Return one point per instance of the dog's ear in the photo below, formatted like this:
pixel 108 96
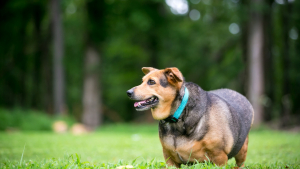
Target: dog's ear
pixel 173 75
pixel 146 70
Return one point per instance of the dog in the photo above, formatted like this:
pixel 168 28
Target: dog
pixel 194 125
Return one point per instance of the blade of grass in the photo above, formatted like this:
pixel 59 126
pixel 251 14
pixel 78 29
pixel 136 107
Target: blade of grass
pixel 22 155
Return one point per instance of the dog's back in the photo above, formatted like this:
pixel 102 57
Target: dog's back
pixel 242 116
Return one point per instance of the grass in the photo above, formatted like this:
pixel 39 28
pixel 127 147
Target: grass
pixel 136 145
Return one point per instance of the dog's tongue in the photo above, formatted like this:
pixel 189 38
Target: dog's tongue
pixel 136 104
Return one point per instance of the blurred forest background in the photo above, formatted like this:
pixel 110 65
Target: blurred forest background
pixel 78 58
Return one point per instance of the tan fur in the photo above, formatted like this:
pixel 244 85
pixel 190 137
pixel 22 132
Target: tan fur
pixel 170 161
pixel 146 70
pixel 219 128
pixel 174 77
pixel 193 151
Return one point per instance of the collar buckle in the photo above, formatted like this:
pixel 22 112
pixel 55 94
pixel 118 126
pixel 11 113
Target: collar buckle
pixel 173 119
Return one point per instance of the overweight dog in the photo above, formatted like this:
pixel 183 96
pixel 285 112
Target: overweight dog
pixel 194 124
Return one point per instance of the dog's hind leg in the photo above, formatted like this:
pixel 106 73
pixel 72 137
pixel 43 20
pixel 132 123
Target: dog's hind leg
pixel 240 158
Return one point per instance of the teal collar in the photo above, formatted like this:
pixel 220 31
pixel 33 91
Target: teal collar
pixel 182 105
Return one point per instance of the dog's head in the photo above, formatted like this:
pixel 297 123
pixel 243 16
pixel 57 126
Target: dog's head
pixel 157 91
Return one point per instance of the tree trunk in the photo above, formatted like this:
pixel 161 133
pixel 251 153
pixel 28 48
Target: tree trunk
pixel 244 43
pixel 58 52
pixel 268 63
pixel 255 54
pixel 285 101
pixel 92 114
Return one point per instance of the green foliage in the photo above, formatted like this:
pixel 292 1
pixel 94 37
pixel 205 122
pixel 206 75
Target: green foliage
pixel 129 35
pixel 146 33
pixel 30 120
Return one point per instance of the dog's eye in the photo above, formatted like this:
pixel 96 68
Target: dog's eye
pixel 151 82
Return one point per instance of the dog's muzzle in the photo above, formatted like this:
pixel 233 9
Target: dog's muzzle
pixel 142 104
pixel 130 92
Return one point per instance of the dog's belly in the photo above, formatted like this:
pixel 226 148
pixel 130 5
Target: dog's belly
pixel 184 150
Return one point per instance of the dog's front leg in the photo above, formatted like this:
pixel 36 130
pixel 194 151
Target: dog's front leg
pixel 220 158
pixel 169 160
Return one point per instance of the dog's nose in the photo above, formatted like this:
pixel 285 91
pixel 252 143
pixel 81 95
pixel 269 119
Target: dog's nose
pixel 129 92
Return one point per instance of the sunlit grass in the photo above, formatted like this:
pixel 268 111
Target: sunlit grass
pixel 136 145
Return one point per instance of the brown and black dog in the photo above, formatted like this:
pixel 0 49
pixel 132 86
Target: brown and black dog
pixel 213 125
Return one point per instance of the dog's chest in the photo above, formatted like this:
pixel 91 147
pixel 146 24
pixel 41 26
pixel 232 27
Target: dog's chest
pixel 180 146
pixel 176 143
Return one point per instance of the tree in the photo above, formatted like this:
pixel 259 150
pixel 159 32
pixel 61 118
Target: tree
pixel 255 55
pixel 92 116
pixel 286 102
pixel 58 52
pixel 92 109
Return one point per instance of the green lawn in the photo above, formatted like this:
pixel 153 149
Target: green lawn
pixel 111 144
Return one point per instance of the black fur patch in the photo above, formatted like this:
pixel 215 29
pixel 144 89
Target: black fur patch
pixel 162 129
pixel 163 82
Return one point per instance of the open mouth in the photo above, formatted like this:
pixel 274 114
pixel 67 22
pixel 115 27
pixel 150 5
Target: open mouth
pixel 146 104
